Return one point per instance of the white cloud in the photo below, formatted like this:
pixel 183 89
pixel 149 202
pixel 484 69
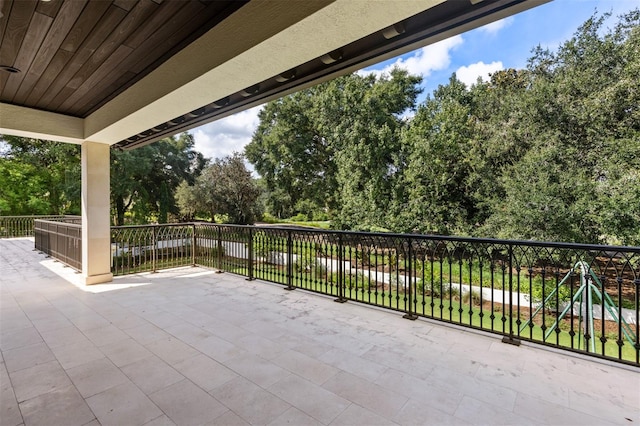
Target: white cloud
pixel 496 26
pixel 423 61
pixel 469 74
pixel 223 137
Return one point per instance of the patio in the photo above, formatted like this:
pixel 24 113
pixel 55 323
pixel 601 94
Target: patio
pixel 189 346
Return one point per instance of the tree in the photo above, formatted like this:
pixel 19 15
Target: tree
pixel 577 181
pixel 334 146
pixel 146 178
pixel 39 177
pixel 225 187
pixel 435 197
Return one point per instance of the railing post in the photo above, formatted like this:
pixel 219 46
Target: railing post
pixel 510 339
pixel 289 261
pixel 193 244
pixel 219 250
pixel 250 256
pixel 408 287
pixel 341 298
pixel 154 254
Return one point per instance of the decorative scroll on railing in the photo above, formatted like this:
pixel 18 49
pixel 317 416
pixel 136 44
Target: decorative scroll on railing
pixel 148 248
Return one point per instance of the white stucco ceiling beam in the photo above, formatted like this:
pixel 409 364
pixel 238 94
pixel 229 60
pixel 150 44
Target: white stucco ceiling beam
pixel 260 40
pixel 36 124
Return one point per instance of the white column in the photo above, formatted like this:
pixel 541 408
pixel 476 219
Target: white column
pixel 96 227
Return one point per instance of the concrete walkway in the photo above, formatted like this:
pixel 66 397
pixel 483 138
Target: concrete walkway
pixel 191 347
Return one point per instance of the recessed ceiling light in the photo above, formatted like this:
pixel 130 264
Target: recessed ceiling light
pixel 9 68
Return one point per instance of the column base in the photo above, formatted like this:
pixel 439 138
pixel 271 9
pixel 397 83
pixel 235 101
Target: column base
pixel 98 279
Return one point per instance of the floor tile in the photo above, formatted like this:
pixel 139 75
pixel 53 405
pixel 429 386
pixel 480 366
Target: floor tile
pixel 187 404
pixel 432 393
pixel 249 401
pixel 146 333
pixel 124 404
pixel 125 352
pixel 35 381
pixel 163 420
pixel 218 348
pixel 540 411
pixel 381 401
pixel 303 365
pixel 260 371
pixel 27 356
pixel 19 338
pixel 76 354
pixel 62 406
pixel 356 415
pixel 152 374
pixel 103 336
pixel 9 411
pixel 417 413
pixel 205 372
pixel 293 416
pixel 232 419
pixel 96 376
pixel 476 412
pixel 171 350
pixel 317 402
pixel 358 366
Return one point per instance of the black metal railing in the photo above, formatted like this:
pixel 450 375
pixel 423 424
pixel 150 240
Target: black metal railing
pixel 61 239
pixel 583 298
pixel 23 226
pixel 148 248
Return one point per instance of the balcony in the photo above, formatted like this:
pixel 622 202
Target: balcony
pixel 191 346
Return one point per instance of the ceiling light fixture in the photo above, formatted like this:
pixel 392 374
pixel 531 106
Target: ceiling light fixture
pixel 9 69
pixel 331 57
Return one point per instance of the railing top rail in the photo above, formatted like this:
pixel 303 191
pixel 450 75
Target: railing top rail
pixel 157 225
pixel 530 243
pixel 35 216
pixel 59 223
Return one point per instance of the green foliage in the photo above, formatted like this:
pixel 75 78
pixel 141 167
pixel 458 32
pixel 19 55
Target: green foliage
pixel 332 148
pixel 38 177
pixel 144 180
pixel 549 152
pixel 225 187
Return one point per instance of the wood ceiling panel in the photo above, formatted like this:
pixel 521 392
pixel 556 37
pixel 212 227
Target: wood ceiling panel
pixel 164 39
pixel 16 22
pixel 38 28
pixel 49 8
pixel 112 17
pixel 92 12
pixel 60 27
pixel 155 24
pixel 75 55
pixel 96 82
pixel 56 66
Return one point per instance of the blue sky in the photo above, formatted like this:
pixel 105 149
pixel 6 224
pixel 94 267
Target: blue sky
pixel 503 44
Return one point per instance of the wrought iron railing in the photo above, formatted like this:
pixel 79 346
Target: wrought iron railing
pixel 61 239
pixel 583 298
pixel 23 226
pixel 148 248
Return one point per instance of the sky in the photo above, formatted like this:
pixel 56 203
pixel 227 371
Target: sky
pixel 500 45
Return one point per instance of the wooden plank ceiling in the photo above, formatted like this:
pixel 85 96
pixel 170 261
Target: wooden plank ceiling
pixel 73 56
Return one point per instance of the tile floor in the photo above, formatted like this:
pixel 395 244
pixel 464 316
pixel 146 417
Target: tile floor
pixel 192 347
